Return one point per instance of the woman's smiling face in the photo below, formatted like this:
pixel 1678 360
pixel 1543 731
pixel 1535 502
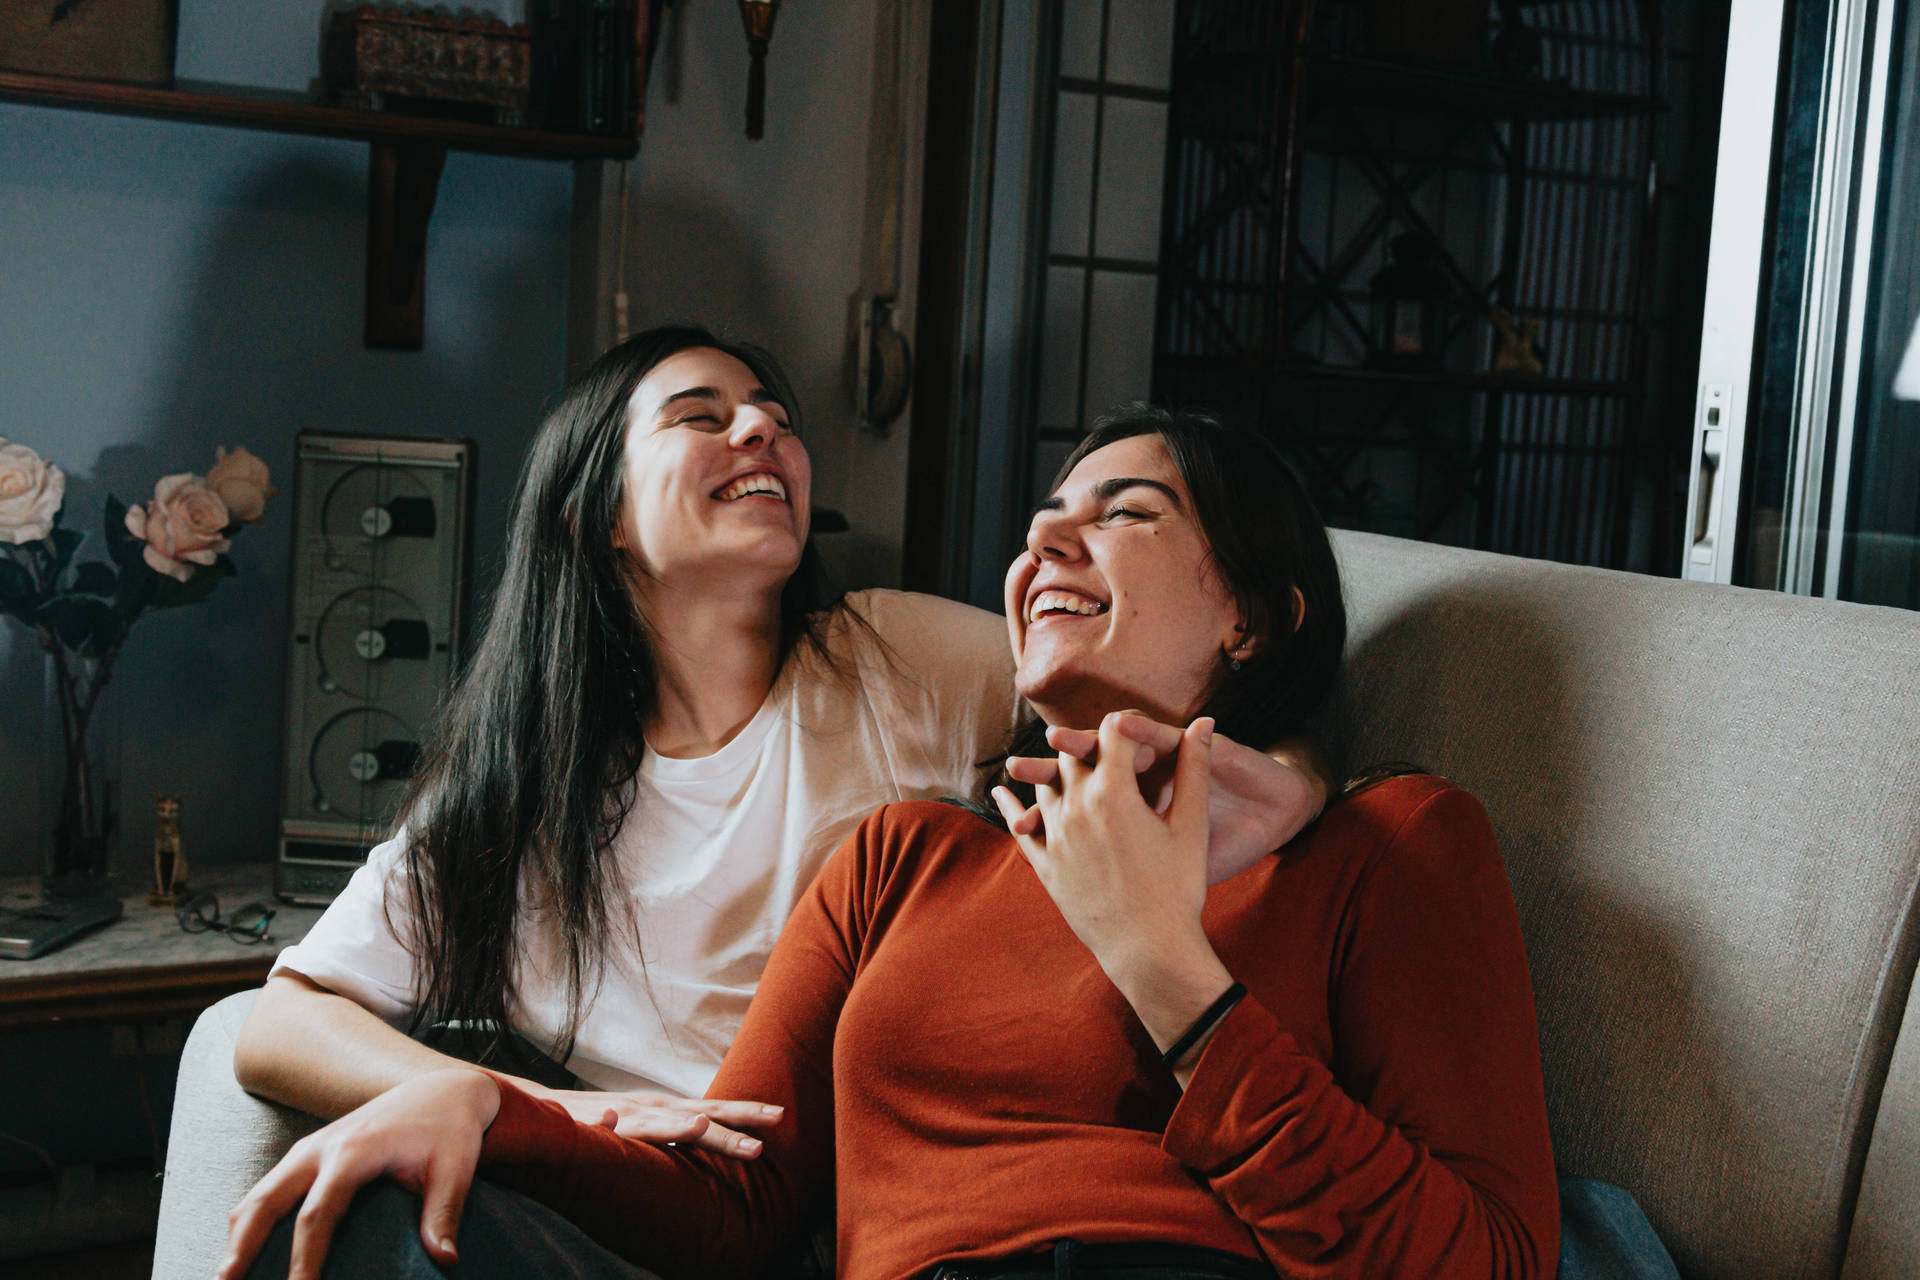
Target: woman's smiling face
pixel 1116 602
pixel 716 482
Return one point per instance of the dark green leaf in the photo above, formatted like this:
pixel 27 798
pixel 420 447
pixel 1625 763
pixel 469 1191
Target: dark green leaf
pixel 108 637
pixel 64 543
pixel 75 619
pixel 16 586
pixel 95 579
pixel 170 593
pixel 121 545
pixel 138 582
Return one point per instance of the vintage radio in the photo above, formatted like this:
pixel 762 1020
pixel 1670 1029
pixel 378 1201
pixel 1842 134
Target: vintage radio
pixel 382 555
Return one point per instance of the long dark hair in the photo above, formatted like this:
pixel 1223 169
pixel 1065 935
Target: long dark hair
pixel 1266 540
pixel 528 776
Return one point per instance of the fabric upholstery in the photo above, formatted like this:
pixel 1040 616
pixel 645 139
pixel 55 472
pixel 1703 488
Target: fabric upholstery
pixel 1886 1223
pixel 1708 800
pixel 222 1141
pixel 1708 805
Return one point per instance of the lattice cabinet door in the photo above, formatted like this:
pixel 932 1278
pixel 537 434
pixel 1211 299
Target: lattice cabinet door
pixel 1414 240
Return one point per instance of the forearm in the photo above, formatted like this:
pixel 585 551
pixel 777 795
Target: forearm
pixel 1429 1154
pixel 1170 988
pixel 1316 1176
pixel 676 1211
pixel 309 1048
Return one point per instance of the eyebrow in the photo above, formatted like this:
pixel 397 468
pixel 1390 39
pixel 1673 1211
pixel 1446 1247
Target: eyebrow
pixel 759 395
pixel 1109 489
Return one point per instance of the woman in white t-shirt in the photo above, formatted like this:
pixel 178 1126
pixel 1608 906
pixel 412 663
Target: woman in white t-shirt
pixel 654 747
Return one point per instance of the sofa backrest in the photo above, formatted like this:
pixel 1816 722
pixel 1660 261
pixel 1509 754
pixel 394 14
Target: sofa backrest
pixel 1708 800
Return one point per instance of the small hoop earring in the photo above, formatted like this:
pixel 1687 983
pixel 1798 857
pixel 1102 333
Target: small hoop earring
pixel 1234 665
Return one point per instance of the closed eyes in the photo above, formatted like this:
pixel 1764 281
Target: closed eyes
pixel 714 422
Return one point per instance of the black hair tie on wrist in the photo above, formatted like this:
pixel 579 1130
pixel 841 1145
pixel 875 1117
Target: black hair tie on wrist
pixel 1215 1011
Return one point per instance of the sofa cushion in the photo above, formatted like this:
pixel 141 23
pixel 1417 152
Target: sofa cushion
pixel 1885 1241
pixel 1707 802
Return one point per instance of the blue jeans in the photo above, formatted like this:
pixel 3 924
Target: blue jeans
pixel 1604 1236
pixel 502 1233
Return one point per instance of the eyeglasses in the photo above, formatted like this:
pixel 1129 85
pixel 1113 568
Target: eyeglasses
pixel 248 926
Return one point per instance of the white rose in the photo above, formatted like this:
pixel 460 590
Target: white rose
pixel 31 490
pixel 241 481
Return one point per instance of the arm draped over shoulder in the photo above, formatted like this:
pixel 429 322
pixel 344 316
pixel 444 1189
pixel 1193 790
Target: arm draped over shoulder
pixel 1423 1149
pixel 1403 1135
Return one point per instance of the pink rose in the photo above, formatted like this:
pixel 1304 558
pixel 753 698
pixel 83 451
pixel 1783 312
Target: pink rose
pixel 241 481
pixel 181 526
pixel 31 490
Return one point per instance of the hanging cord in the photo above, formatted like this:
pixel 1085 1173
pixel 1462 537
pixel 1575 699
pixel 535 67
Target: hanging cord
pixel 622 315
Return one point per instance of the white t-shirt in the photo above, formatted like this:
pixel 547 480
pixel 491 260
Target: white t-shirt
pixel 717 850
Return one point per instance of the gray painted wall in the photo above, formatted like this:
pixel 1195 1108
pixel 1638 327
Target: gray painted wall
pixel 768 238
pixel 167 287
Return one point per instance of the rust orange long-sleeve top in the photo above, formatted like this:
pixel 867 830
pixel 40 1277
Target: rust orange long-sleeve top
pixel 958 1071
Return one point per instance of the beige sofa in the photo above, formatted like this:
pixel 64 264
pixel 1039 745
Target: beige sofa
pixel 1709 804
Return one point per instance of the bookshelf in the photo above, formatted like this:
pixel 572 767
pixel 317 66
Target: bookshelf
pixel 406 154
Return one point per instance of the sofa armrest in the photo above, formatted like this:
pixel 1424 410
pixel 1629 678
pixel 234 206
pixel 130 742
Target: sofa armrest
pixel 1884 1243
pixel 222 1141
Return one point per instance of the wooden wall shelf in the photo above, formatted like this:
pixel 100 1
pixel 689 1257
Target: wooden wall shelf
pixel 406 156
pixel 280 112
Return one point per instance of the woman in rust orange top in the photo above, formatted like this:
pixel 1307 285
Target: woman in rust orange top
pixel 1048 1047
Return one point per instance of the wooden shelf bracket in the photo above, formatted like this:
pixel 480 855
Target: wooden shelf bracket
pixel 403 179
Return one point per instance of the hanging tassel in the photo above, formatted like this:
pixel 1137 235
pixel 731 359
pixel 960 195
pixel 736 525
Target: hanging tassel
pixel 757 16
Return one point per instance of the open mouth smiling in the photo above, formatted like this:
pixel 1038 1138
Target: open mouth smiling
pixel 762 484
pixel 1056 603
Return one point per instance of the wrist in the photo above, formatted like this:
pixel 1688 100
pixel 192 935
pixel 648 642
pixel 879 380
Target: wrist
pixel 1170 990
pixel 1179 1056
pixel 478 1093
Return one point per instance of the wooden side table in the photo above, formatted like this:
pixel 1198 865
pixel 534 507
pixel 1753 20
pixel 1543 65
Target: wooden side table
pixel 143 967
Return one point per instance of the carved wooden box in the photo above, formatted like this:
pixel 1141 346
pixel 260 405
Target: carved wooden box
pixel 374 53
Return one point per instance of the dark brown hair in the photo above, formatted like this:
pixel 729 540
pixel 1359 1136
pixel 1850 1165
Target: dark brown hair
pixel 1266 540
pixel 528 776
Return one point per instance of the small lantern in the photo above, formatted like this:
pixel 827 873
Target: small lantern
pixel 757 16
pixel 1409 296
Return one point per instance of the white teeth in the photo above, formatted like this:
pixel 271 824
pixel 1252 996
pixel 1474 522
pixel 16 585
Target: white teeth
pixel 1065 602
pixel 763 482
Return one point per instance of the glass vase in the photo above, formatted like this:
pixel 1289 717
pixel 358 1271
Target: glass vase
pixel 80 772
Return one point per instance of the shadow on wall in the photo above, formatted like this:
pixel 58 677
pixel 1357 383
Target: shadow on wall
pixel 264 341
pixel 719 274
pixel 1637 1066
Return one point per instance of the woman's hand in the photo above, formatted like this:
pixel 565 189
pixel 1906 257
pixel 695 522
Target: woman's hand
pixel 712 1123
pixel 1129 880
pixel 1256 801
pixel 424 1134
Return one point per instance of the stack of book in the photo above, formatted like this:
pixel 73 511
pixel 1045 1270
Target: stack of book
pixel 590 62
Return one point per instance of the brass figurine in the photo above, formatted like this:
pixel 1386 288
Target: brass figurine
pixel 169 855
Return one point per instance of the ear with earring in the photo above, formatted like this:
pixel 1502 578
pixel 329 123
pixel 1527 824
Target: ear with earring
pixel 1239 650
